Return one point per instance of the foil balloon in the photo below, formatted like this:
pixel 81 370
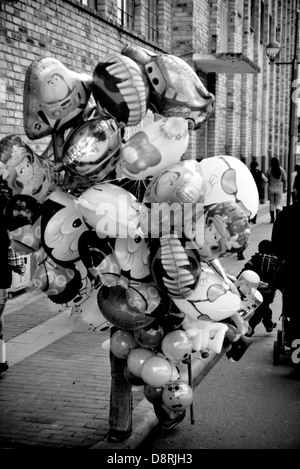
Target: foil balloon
pixel 132 257
pixel 121 343
pixel 228 179
pixel 176 346
pixel 23 215
pixel 223 227
pixel 136 359
pixel 156 371
pixel 153 148
pixel 177 396
pixel 175 88
pixel 127 308
pixel 54 97
pixel 92 149
pixel 213 296
pixel 23 171
pixel 61 227
pixel 149 336
pixel 120 89
pixel 110 210
pixel 61 284
pixel 175 265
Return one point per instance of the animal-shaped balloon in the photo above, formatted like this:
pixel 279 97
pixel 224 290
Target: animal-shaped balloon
pixel 54 97
pixel 23 171
pixel 153 148
pixel 228 179
pixel 110 210
pixel 120 89
pixel 175 88
pixel 61 226
pixel 92 149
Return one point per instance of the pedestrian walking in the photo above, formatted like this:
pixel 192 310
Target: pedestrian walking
pixel 263 262
pixel 260 181
pixel 295 176
pixel 277 180
pixel 285 245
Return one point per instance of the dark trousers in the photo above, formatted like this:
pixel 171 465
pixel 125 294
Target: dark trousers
pixel 262 314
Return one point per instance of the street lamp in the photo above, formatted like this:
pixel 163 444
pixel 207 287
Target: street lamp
pixel 273 50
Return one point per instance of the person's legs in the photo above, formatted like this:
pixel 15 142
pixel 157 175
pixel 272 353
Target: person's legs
pixel 3 362
pixel 267 319
pixel 277 201
pixel 255 319
pixel 120 411
pixel 272 204
pixel 167 418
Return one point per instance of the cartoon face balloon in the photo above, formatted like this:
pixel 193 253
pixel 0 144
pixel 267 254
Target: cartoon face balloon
pixel 92 149
pixel 228 179
pixel 110 210
pixel 213 297
pixel 120 89
pixel 153 148
pixel 175 88
pixel 61 227
pixel 54 97
pixel 177 395
pixel 22 169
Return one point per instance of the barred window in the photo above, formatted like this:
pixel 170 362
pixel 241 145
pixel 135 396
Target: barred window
pixel 125 13
pixel 151 20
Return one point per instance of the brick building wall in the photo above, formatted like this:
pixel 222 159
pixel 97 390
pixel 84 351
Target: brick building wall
pixel 252 110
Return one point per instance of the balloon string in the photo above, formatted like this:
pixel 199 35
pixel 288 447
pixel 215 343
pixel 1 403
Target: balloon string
pixel 191 385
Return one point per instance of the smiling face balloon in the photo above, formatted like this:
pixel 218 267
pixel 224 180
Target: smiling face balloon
pixel 61 227
pixel 54 97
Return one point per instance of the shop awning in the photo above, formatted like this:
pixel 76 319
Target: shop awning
pixel 225 62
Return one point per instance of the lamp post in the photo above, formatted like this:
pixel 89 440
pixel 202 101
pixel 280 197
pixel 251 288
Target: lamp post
pixel 273 50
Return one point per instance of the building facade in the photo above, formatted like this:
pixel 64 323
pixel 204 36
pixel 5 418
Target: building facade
pixel 224 41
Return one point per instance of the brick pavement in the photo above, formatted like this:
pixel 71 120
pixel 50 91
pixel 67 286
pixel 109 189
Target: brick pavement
pixel 56 391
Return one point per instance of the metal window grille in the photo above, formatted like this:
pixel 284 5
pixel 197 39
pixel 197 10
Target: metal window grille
pixel 151 20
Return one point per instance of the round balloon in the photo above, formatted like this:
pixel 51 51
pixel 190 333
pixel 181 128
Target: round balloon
pixel 175 88
pixel 149 336
pixel 223 227
pixel 131 378
pixel 176 346
pixel 61 227
pixel 177 396
pixel 120 89
pixel 153 148
pixel 110 210
pixel 153 395
pixel 54 97
pixel 114 303
pixel 121 344
pixel 136 359
pixel 23 171
pixel 228 179
pixel 92 149
pixel 156 371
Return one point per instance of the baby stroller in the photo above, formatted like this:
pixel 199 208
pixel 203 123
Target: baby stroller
pixel 286 343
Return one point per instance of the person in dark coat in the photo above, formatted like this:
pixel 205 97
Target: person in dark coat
pixel 285 245
pixel 5 283
pixel 260 181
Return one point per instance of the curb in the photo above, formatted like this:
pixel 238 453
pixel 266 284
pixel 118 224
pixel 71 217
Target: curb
pixel 144 419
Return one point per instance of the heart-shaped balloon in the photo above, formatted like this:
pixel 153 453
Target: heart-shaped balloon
pixel 54 97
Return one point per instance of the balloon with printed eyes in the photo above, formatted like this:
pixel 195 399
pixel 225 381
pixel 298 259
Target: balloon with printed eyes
pixel 228 179
pixel 120 89
pixel 175 88
pixel 177 396
pixel 153 148
pixel 61 227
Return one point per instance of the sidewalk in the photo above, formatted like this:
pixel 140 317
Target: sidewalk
pixel 55 393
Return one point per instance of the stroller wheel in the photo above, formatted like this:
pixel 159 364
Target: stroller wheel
pixel 276 353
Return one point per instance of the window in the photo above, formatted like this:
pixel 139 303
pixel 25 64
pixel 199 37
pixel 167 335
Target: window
pixel 151 20
pixel 252 14
pixel 125 13
pixel 262 20
pixel 241 7
pixel 270 28
pixel 88 3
